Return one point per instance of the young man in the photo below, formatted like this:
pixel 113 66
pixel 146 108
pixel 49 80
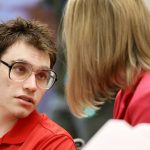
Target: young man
pixel 27 56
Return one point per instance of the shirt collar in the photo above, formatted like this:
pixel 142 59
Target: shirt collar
pixel 22 129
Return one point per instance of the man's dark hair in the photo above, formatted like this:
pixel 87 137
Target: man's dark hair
pixel 32 32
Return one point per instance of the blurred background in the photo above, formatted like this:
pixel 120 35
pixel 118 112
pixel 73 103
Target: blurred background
pixel 54 102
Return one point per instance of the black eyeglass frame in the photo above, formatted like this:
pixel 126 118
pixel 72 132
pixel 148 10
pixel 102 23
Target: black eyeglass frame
pixel 10 68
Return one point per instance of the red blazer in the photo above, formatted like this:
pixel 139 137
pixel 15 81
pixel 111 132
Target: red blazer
pixel 133 105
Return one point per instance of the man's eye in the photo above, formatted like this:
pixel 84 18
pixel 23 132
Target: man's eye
pixel 42 76
pixel 19 69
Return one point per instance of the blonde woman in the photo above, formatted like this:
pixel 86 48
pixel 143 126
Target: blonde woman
pixel 108 48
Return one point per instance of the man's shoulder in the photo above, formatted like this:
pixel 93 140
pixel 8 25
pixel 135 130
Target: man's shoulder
pixel 48 126
pixel 47 134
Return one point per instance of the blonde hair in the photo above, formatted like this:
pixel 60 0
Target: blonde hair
pixel 108 44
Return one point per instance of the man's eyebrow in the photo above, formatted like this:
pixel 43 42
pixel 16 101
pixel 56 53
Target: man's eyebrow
pixel 25 61
pixel 44 68
pixel 19 60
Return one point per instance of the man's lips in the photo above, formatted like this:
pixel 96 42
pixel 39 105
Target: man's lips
pixel 26 98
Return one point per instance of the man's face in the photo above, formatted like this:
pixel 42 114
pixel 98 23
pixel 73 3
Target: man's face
pixel 19 99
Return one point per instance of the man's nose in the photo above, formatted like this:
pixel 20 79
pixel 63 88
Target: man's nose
pixel 30 83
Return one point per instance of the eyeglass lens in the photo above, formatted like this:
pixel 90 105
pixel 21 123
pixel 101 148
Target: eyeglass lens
pixel 20 71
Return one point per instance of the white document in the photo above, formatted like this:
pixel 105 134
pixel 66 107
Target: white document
pixel 119 135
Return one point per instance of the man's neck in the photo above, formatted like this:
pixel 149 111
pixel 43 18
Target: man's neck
pixel 6 123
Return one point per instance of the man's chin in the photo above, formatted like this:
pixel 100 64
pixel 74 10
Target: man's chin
pixel 22 114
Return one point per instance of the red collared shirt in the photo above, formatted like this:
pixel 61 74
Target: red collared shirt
pixel 36 132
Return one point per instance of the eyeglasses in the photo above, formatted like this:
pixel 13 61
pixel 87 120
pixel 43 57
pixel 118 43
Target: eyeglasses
pixel 20 71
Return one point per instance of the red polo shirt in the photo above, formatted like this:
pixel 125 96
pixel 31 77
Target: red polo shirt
pixel 36 132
